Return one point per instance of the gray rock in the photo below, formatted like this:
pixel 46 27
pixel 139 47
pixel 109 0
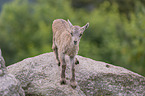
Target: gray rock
pixel 3 69
pixel 40 76
pixel 9 85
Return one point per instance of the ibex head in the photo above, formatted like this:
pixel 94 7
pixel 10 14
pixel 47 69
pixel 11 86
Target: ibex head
pixel 77 32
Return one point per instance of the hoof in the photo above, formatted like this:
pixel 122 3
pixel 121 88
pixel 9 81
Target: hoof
pixel 73 84
pixel 58 63
pixel 62 81
pixel 77 62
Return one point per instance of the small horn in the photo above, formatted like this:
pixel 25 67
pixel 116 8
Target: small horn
pixel 70 24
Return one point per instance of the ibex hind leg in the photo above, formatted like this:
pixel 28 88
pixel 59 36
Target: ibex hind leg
pixel 57 59
pixel 55 50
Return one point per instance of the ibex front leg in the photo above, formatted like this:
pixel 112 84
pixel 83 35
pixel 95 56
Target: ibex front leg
pixel 63 64
pixel 72 81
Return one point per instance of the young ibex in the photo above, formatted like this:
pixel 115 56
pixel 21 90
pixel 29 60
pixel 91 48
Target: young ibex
pixel 66 38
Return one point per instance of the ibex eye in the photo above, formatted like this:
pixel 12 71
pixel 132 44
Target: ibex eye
pixel 71 34
pixel 80 35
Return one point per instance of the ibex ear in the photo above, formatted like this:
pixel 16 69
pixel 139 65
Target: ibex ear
pixel 70 25
pixel 85 27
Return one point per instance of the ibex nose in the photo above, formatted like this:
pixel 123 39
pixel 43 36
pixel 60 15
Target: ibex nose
pixel 75 42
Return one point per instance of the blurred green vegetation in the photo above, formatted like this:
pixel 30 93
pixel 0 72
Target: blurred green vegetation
pixel 25 31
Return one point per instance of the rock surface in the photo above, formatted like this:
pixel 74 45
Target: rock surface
pixel 3 69
pixel 40 76
pixel 9 85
